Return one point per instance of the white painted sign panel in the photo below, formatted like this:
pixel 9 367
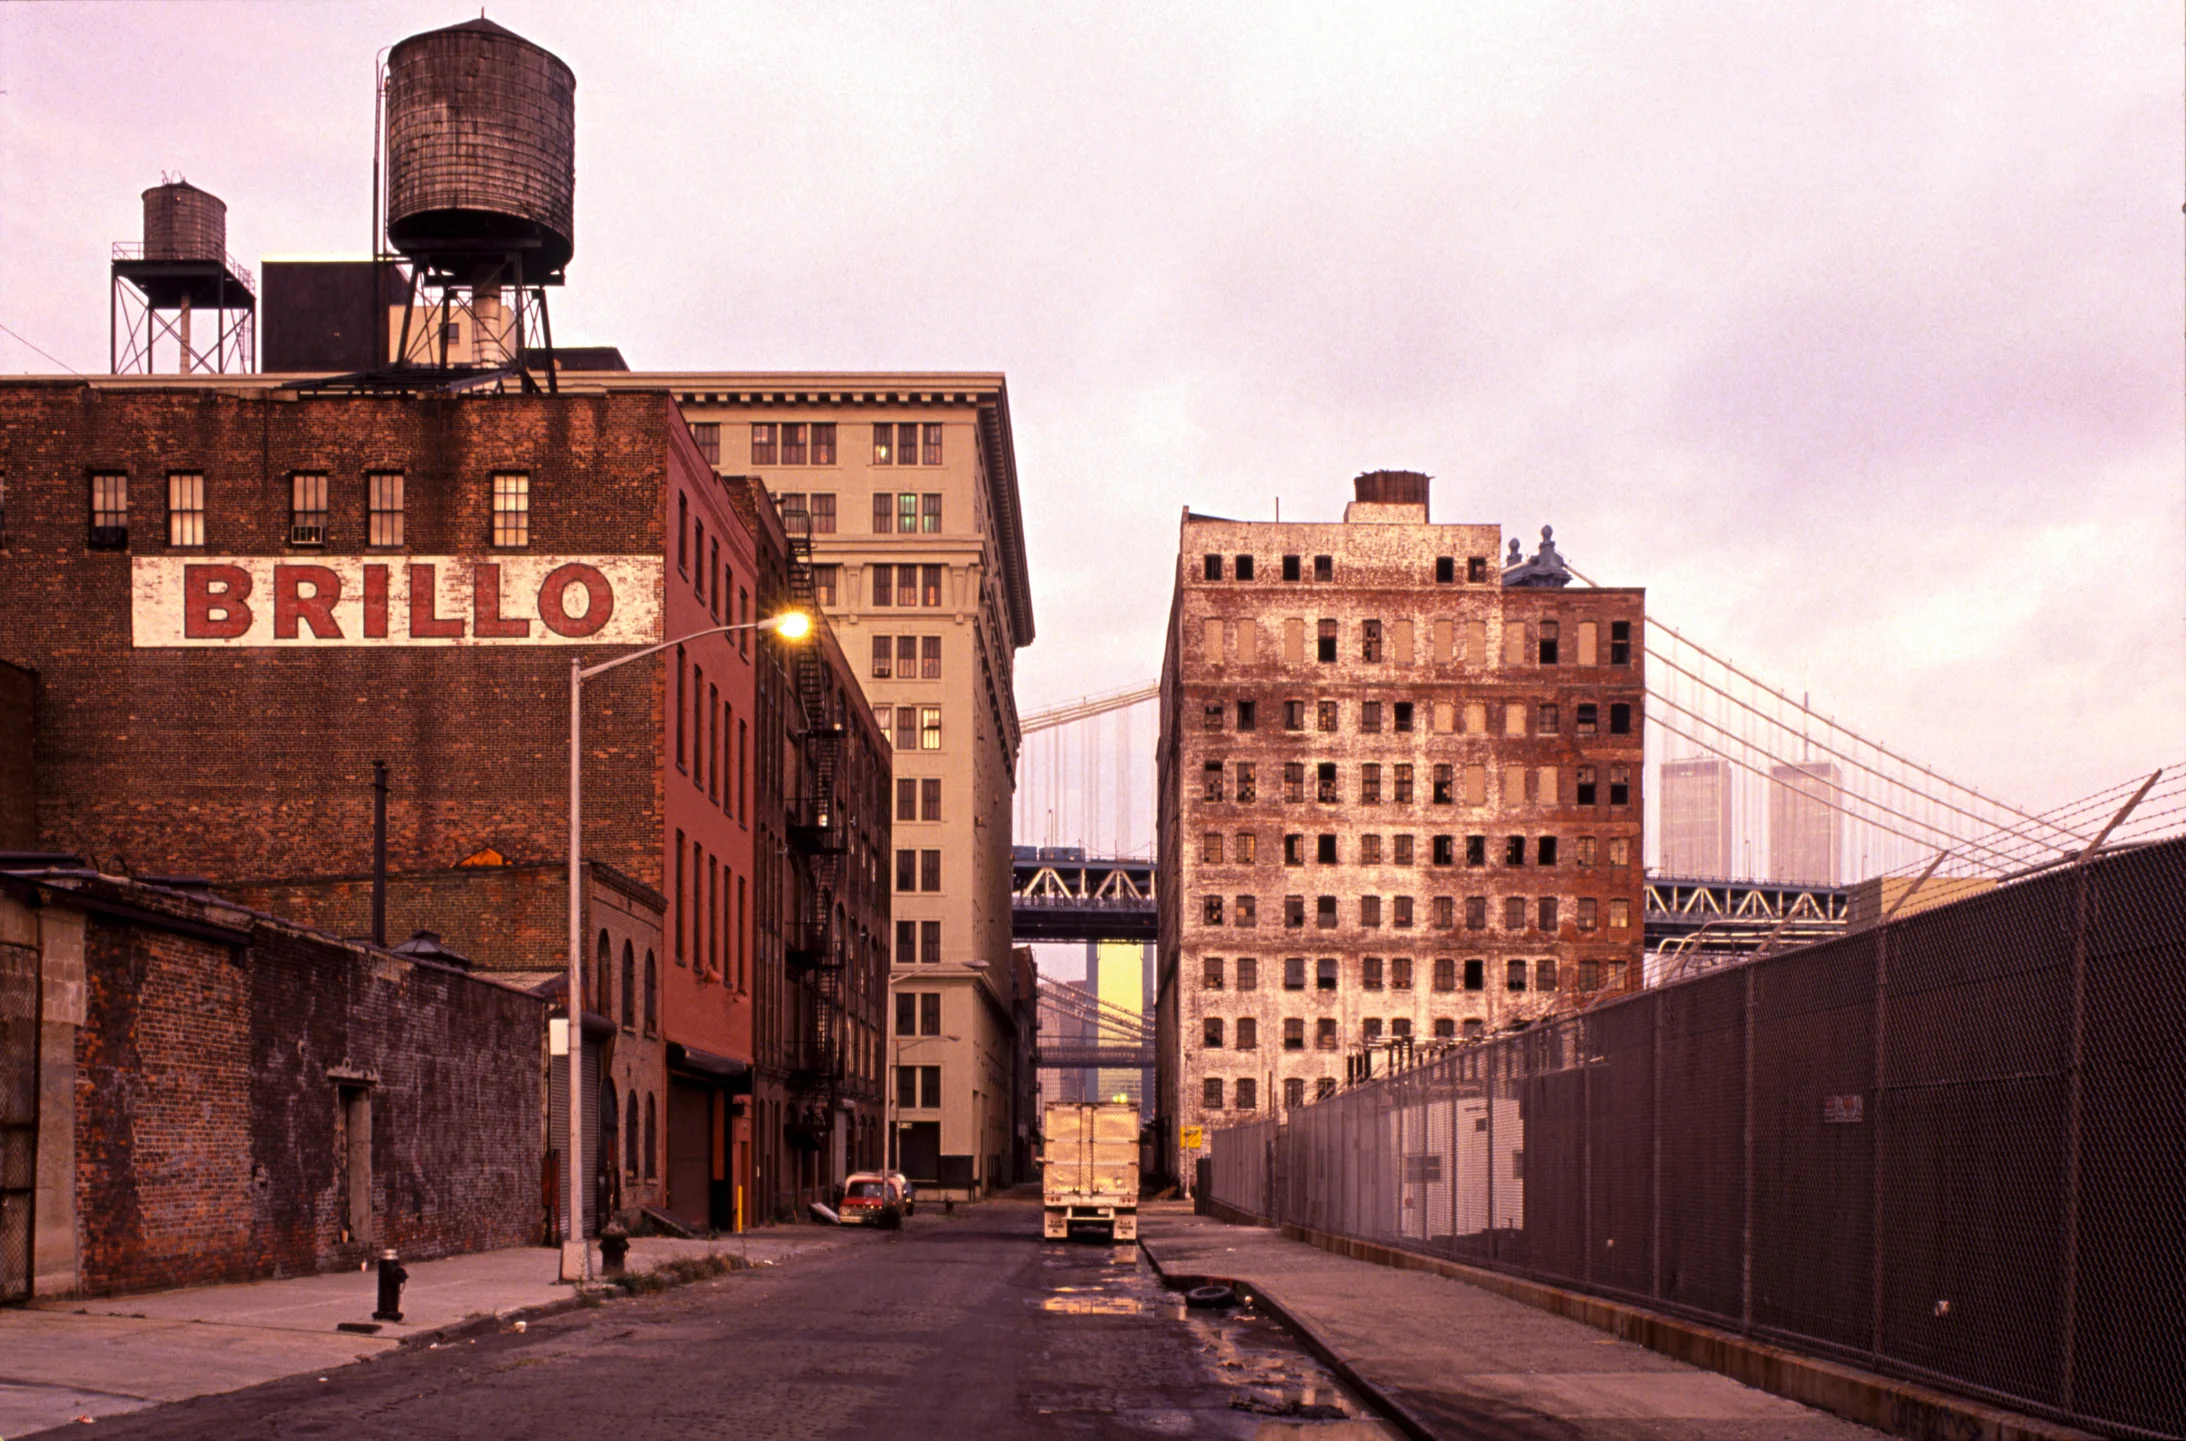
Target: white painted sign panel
pixel 235 602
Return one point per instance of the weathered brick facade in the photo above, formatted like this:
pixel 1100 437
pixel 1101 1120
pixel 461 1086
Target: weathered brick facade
pixel 218 1056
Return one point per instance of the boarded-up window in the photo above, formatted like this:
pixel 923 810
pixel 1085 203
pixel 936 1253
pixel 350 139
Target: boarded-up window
pixel 1213 642
pixel 1476 642
pixel 1476 785
pixel 1248 642
pixel 1548 785
pixel 1294 640
pixel 1400 642
pixel 1588 638
pixel 1514 642
pixel 1476 718
pixel 1445 717
pixel 1514 784
pixel 1443 634
pixel 1514 719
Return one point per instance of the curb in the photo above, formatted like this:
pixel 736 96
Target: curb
pixel 472 1327
pixel 1388 1406
pixel 1883 1403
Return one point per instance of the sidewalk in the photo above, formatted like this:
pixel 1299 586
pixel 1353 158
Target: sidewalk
pixel 63 1359
pixel 1462 1362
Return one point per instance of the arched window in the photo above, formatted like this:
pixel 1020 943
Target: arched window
pixel 630 1133
pixel 597 996
pixel 652 995
pixel 629 988
pixel 652 1137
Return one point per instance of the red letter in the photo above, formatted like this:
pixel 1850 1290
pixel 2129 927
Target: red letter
pixel 424 625
pixel 209 614
pixel 290 604
pixel 486 619
pixel 375 602
pixel 599 600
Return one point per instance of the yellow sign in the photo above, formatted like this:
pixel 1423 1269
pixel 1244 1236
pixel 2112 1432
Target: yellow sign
pixel 1194 1138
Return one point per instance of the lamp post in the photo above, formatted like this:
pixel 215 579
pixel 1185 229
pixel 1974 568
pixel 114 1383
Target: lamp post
pixel 791 625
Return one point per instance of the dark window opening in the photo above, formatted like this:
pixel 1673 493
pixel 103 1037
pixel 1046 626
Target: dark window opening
pixel 1290 567
pixel 1446 570
pixel 1620 719
pixel 1620 642
pixel 1243 569
pixel 1324 568
pixel 1212 567
pixel 1325 649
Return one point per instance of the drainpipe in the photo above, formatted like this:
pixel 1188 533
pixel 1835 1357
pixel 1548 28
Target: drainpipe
pixel 379 853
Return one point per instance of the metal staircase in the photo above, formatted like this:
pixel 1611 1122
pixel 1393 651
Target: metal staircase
pixel 815 950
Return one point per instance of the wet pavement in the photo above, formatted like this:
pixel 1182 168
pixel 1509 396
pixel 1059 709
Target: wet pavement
pixel 958 1327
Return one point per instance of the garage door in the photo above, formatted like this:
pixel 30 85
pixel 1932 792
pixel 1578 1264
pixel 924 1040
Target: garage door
pixel 690 1152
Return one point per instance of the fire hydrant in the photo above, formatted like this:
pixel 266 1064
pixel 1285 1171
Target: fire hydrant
pixel 391 1278
pixel 614 1246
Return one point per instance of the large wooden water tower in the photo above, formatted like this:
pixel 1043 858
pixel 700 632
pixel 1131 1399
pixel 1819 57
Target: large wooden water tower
pixel 177 298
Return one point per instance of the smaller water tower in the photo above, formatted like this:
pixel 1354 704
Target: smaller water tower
pixel 177 294
pixel 481 178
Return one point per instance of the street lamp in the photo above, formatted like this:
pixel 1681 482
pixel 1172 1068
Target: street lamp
pixel 790 625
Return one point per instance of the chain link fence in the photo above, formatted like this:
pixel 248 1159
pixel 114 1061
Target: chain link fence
pixel 1950 1147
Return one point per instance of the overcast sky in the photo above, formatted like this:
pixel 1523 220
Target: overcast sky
pixel 1852 332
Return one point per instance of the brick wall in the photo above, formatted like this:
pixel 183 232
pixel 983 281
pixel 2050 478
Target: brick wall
pixel 208 1110
pixel 499 918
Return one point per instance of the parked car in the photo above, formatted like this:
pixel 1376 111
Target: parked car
pixel 868 1197
pixel 910 1192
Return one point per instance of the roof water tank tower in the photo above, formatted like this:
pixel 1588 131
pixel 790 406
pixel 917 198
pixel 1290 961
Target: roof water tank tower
pixel 176 300
pixel 182 222
pixel 481 151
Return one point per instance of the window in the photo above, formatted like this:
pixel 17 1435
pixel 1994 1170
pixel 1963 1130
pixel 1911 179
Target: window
pixel 1620 718
pixel 1248 914
pixel 1290 567
pixel 1445 1028
pixel 1243 568
pixel 1325 647
pixel 1246 717
pixel 929 509
pixel 1324 717
pixel 1210 716
pixel 1324 1034
pixel 1370 973
pixel 1324 912
pixel 1545 918
pixel 1247 1095
pixel 1248 973
pixel 906 718
pixel 1294 715
pixel 1400 973
pixel 884 585
pixel 906 1013
pixel 1620 642
pixel 906 799
pixel 1620 851
pixel 1294 1087
pixel 884 513
pixel 1211 567
pixel 794 442
pixel 1445 913
pixel 929 584
pixel 706 434
pixel 1324 974
pixel 1294 849
pixel 1476 569
pixel 929 727
pixel 1211 775
pixel 1476 975
pixel 1210 973
pixel 1210 849
pixel 1324 568
pixel 1245 787
pixel 826 583
pixel 1370 911
pixel 629 987
pixel 1324 783
pixel 1586 913
pixel 1370 850
pixel 1210 910
pixel 1246 847
pixel 1294 1033
pixel 1585 855
pixel 929 870
pixel 929 657
pixel 1584 720
pixel 1294 973
pixel 1400 1029
pixel 186 510
pixel 1401 717
pixel 884 444
pixel 884 651
pixel 1514 913
pixel 652 996
pixel 307 508
pixel 1546 633
pixel 929 1087
pixel 1402 847
pixel 1620 914
pixel 1445 791
pixel 1210 1091
pixel 763 448
pixel 1294 781
pixel 1370 641
pixel 383 509
pixel 1445 974
pixel 1400 909
pixel 906 870
pixel 1547 723
pixel 929 940
pixel 1590 975
pixel 1583 786
pixel 1444 850
pixel 1401 783
pixel 1247 1037
pixel 1514 850
pixel 1620 786
pixel 822 507
pixel 930 445
pixel 1476 913
pixel 1476 850
pixel 1370 718
pixel 1445 570
pixel 1210 1033
pixel 1517 973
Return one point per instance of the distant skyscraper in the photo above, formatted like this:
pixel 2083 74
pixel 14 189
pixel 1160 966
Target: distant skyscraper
pixel 1696 817
pixel 1806 830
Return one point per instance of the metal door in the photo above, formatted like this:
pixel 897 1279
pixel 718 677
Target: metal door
pixel 19 1013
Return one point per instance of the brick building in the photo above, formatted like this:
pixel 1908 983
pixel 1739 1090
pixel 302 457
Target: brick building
pixel 222 1096
pixel 1398 798
pixel 237 594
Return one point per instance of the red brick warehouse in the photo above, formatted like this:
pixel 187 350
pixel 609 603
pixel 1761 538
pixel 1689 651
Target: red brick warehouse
pixel 236 597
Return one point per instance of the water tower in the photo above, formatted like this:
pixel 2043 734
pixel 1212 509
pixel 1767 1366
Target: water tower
pixel 178 292
pixel 481 174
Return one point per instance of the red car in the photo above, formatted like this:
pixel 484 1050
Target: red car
pixel 867 1197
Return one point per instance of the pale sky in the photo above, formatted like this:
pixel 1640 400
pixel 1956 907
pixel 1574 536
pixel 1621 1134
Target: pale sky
pixel 1853 332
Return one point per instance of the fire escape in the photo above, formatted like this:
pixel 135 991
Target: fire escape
pixel 816 949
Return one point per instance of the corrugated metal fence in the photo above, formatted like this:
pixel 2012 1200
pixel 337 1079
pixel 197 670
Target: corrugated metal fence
pixel 1951 1148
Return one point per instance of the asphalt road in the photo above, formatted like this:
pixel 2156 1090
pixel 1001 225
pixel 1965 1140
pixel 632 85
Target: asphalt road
pixel 956 1327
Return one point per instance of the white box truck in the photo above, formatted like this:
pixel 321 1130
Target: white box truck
pixel 1089 1155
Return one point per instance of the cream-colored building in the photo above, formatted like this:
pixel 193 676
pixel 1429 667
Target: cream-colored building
pixel 911 484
